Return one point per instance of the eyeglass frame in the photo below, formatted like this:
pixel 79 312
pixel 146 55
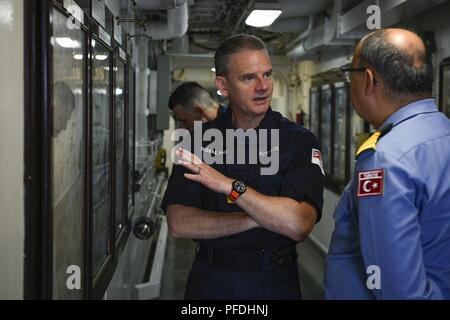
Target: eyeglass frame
pixel 347 71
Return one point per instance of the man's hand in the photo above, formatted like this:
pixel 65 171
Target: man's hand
pixel 279 214
pixel 203 173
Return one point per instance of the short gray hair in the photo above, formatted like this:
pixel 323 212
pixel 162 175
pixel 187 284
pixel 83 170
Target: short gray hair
pixel 235 44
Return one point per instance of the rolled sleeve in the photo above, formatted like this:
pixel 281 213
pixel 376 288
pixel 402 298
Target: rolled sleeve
pixel 181 190
pixel 304 180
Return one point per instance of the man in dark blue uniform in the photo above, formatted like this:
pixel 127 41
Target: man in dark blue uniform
pixel 247 223
pixel 191 102
pixel 392 232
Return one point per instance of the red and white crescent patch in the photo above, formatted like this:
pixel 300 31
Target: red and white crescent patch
pixel 370 183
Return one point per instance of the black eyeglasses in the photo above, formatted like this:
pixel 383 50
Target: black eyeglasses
pixel 348 73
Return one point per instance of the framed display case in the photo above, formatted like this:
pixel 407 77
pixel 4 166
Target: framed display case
pixel 357 135
pixel 340 136
pixel 444 87
pixel 67 119
pixel 314 111
pixel 119 141
pixel 131 136
pixel 101 244
pixel 326 126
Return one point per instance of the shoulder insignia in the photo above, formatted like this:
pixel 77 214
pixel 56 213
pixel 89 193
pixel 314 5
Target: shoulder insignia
pixel 371 143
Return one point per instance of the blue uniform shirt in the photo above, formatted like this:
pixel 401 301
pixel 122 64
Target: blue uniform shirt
pixel 392 223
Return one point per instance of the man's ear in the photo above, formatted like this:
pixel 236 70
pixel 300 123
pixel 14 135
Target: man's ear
pixel 371 81
pixel 221 84
pixel 200 110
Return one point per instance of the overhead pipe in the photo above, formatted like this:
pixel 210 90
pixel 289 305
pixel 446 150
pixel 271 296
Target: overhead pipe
pixel 160 4
pixel 175 26
pixel 324 35
pixel 293 24
pixel 304 34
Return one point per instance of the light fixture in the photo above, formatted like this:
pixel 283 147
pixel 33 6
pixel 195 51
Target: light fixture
pixel 101 57
pixel 213 69
pixel 66 42
pixel 263 14
pixel 78 56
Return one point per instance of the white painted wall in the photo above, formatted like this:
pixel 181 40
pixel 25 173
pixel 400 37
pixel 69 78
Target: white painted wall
pixel 12 149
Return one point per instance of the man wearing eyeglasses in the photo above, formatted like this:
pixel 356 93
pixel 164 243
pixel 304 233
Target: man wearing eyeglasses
pixel 392 223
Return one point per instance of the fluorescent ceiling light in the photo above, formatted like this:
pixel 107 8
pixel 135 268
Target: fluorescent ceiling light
pixel 101 57
pixel 78 56
pixel 262 18
pixel 67 42
pixel 213 69
pixel 114 69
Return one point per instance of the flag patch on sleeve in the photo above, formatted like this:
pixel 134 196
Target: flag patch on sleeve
pixel 316 158
pixel 370 183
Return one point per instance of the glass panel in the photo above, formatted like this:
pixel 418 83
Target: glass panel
pixel 67 158
pixel 357 137
pixel 339 133
pixel 446 90
pixel 101 161
pixel 119 127
pixel 131 108
pixel 325 126
pixel 314 112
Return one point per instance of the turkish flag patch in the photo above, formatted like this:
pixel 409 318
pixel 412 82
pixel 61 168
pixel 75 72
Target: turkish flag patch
pixel 370 183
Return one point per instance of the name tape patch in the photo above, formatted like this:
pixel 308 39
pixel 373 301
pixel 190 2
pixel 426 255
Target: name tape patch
pixel 370 183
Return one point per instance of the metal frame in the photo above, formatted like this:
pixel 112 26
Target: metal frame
pixel 445 63
pixel 36 278
pixel 85 225
pixel 98 283
pixel 124 231
pixel 38 57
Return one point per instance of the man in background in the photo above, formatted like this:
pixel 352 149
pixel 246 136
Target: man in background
pixel 191 102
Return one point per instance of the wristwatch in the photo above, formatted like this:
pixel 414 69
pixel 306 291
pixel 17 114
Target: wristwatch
pixel 238 188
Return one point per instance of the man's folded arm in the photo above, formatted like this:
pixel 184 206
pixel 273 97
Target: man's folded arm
pixel 193 223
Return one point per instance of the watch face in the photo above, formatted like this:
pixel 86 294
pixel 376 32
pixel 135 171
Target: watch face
pixel 239 186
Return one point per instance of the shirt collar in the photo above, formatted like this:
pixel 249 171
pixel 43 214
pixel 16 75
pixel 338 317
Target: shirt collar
pixel 221 110
pixel 264 124
pixel 410 110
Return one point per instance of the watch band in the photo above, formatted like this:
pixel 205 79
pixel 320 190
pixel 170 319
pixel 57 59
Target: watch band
pixel 237 189
pixel 233 196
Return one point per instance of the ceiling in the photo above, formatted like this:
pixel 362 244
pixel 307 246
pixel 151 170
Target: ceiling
pixel 211 21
